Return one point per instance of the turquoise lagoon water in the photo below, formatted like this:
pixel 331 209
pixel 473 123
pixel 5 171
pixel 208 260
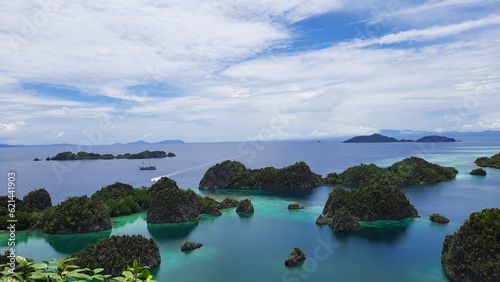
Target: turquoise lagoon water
pixel 253 248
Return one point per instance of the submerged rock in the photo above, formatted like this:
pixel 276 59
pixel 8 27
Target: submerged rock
pixel 295 257
pixel 245 206
pixel 189 246
pixel 438 218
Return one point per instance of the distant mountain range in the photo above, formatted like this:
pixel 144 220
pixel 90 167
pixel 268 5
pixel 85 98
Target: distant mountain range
pixel 140 142
pixel 415 134
pixel 378 138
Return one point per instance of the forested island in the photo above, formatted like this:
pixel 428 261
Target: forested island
pixel 493 161
pixel 409 171
pixel 472 252
pixel 233 174
pixel 373 202
pixel 70 156
pixel 379 138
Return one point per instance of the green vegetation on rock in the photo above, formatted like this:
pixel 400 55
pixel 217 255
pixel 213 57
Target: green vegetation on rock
pixel 410 171
pixel 493 161
pixel 472 253
pixel 116 253
pixel 28 215
pixel 77 215
pixel 439 218
pixel 123 199
pixel 373 202
pixel 233 174
pixel 295 257
pixel 37 200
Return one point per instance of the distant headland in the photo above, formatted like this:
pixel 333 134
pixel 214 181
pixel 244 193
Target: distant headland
pixel 379 138
pixel 70 156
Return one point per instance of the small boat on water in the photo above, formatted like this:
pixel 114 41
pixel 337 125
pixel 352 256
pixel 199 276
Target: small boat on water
pixel 150 167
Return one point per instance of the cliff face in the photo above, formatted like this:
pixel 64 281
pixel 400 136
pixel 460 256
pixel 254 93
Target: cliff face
pixel 232 174
pixel 375 202
pixel 78 215
pixel 171 204
pixel 472 253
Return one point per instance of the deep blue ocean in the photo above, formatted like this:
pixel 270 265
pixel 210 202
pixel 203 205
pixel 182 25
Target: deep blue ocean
pixel 254 248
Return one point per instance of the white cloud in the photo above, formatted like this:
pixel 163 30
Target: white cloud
pixel 227 81
pixel 54 135
pixel 12 130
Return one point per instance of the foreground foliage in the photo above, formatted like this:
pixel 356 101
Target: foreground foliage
pixel 472 253
pixel 63 270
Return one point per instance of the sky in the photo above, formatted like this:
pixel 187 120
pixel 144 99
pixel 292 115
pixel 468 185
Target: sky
pixel 101 72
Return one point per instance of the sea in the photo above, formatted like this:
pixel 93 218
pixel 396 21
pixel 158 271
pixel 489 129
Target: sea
pixel 253 248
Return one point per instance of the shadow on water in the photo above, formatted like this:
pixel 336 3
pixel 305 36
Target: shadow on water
pixel 379 231
pixel 245 215
pixel 171 231
pixel 70 243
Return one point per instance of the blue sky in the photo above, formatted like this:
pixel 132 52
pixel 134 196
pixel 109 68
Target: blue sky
pixel 86 71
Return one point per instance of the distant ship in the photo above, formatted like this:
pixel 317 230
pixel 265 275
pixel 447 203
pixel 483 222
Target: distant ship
pixel 150 167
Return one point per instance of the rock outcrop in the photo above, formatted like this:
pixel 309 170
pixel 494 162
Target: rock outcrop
pixel 478 171
pixel 229 203
pixel 189 246
pixel 321 220
pixel 116 253
pixel 438 218
pixel 472 252
pixel 295 257
pixel 234 175
pixel 245 206
pixel 295 206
